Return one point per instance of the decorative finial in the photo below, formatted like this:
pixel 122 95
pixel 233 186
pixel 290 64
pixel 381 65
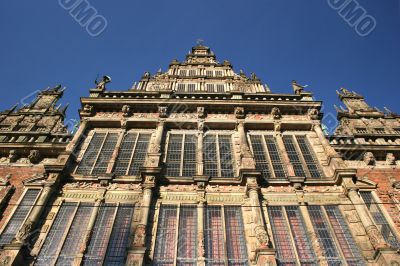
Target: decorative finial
pixel 200 42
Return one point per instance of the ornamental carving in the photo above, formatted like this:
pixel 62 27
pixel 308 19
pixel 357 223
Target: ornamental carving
pixel 24 231
pixel 201 112
pixel 183 115
pixel 145 115
pixel 126 110
pixel 163 111
pixel 88 110
pixel 218 188
pixel 178 188
pixel 34 156
pixel 262 236
pixel 375 237
pixel 239 113
pixel 140 235
pixel 276 113
pixel 369 158
pixel 313 113
pixel 390 159
pixel 12 156
pixel 83 185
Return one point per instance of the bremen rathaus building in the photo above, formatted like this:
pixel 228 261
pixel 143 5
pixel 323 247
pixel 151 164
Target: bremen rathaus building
pixel 199 165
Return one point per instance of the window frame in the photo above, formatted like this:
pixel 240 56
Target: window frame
pixel 266 152
pixel 111 163
pixel 218 133
pixel 139 132
pixel 383 211
pixel 182 152
pixel 303 161
pixel 5 225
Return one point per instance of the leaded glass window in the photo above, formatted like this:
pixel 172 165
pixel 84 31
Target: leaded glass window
pixel 73 240
pixel 18 217
pixel 302 241
pixel 132 153
pixel 49 251
pixel 275 157
pixel 119 239
pixel 294 156
pixel 267 156
pixel 308 156
pixel 164 252
pixel 181 155
pixel 217 155
pixel 90 156
pixel 284 248
pixel 98 154
pixel 342 232
pixel 109 238
pixel 380 220
pixel 105 155
pixel 324 236
pixel 210 87
pixel 224 236
pixel 101 233
pixel 187 236
pixel 301 156
pixel 214 236
pixel 235 240
pixel 260 156
pixel 286 226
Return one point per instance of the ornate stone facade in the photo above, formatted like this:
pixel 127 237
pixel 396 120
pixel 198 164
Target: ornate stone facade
pixel 197 165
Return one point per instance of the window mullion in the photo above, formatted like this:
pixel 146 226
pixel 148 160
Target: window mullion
pixel 177 233
pixel 292 240
pixel 182 155
pixel 113 160
pixel 218 155
pixel 99 152
pixel 301 157
pixel 133 153
pixel 224 229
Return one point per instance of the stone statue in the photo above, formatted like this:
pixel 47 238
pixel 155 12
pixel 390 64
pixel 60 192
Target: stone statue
pixel 126 110
pixel 297 88
pixel 102 84
pixel 34 156
pixel 390 159
pixel 369 158
pixel 276 113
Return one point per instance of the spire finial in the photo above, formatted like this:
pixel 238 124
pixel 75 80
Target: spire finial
pixel 200 41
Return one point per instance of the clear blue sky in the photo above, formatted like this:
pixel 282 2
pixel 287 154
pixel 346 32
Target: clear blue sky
pixel 42 45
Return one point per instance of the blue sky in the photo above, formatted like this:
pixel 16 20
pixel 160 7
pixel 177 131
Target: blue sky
pixel 42 45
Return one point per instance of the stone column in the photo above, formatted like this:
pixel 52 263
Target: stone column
pixel 81 130
pixel 259 227
pixel 153 155
pixel 88 234
pixel 247 161
pixel 199 156
pixel 200 234
pixel 34 216
pixel 329 150
pixel 373 233
pixel 138 246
